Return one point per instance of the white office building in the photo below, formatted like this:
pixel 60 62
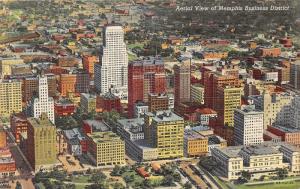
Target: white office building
pixel 112 71
pixel 44 103
pixel 248 126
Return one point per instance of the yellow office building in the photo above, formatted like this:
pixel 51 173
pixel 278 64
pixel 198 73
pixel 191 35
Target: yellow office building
pixel 41 143
pixel 229 99
pixel 6 63
pixel 10 97
pixel 164 130
pixel 106 148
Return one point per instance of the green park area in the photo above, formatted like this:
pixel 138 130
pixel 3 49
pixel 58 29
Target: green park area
pixel 275 185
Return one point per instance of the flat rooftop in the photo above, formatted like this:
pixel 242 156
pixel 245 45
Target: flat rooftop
pixel 192 135
pixel 97 125
pixel 103 137
pixel 164 116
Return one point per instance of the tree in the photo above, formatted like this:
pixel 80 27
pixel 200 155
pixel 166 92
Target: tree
pixel 98 177
pixel 281 173
pixel 118 185
pixel 18 185
pixel 168 180
pixel 128 178
pixel 116 171
pixel 187 185
pixel 246 175
pixel 177 177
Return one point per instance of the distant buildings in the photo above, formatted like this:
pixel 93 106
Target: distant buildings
pixel 106 149
pixel 258 160
pixel 6 63
pixel 248 126
pixel 112 70
pixel 144 77
pixel 40 145
pixel 10 97
pixel 44 103
pixel 269 52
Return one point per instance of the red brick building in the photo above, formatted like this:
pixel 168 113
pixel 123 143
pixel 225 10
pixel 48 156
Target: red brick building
pixel 19 125
pixel 30 87
pixel 7 163
pixel 144 77
pixel 289 135
pixel 214 80
pixel 88 62
pixel 67 62
pixel 74 82
pixel 271 52
pixel 64 107
pixel 3 141
pixel 108 102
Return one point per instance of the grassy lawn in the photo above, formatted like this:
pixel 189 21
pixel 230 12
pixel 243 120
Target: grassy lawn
pixel 137 178
pixel 131 46
pixel 287 185
pixel 293 185
pixel 80 186
pixel 221 183
pixel 80 179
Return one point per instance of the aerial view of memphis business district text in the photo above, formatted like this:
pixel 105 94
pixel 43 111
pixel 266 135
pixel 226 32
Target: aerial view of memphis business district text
pixel 148 94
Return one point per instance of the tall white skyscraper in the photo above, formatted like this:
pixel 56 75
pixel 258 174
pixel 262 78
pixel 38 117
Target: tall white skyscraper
pixel 112 71
pixel 44 103
pixel 248 126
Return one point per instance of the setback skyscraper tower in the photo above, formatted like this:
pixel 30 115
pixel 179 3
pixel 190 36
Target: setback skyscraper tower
pixel 112 70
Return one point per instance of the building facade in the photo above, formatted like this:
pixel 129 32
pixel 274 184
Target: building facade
pixel 182 82
pixel 78 82
pixel 248 126
pixel 295 75
pixel 41 142
pixel 164 130
pixel 112 71
pixel 44 103
pixel 148 76
pixel 228 98
pixel 106 149
pixel 10 97
pixel 158 102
